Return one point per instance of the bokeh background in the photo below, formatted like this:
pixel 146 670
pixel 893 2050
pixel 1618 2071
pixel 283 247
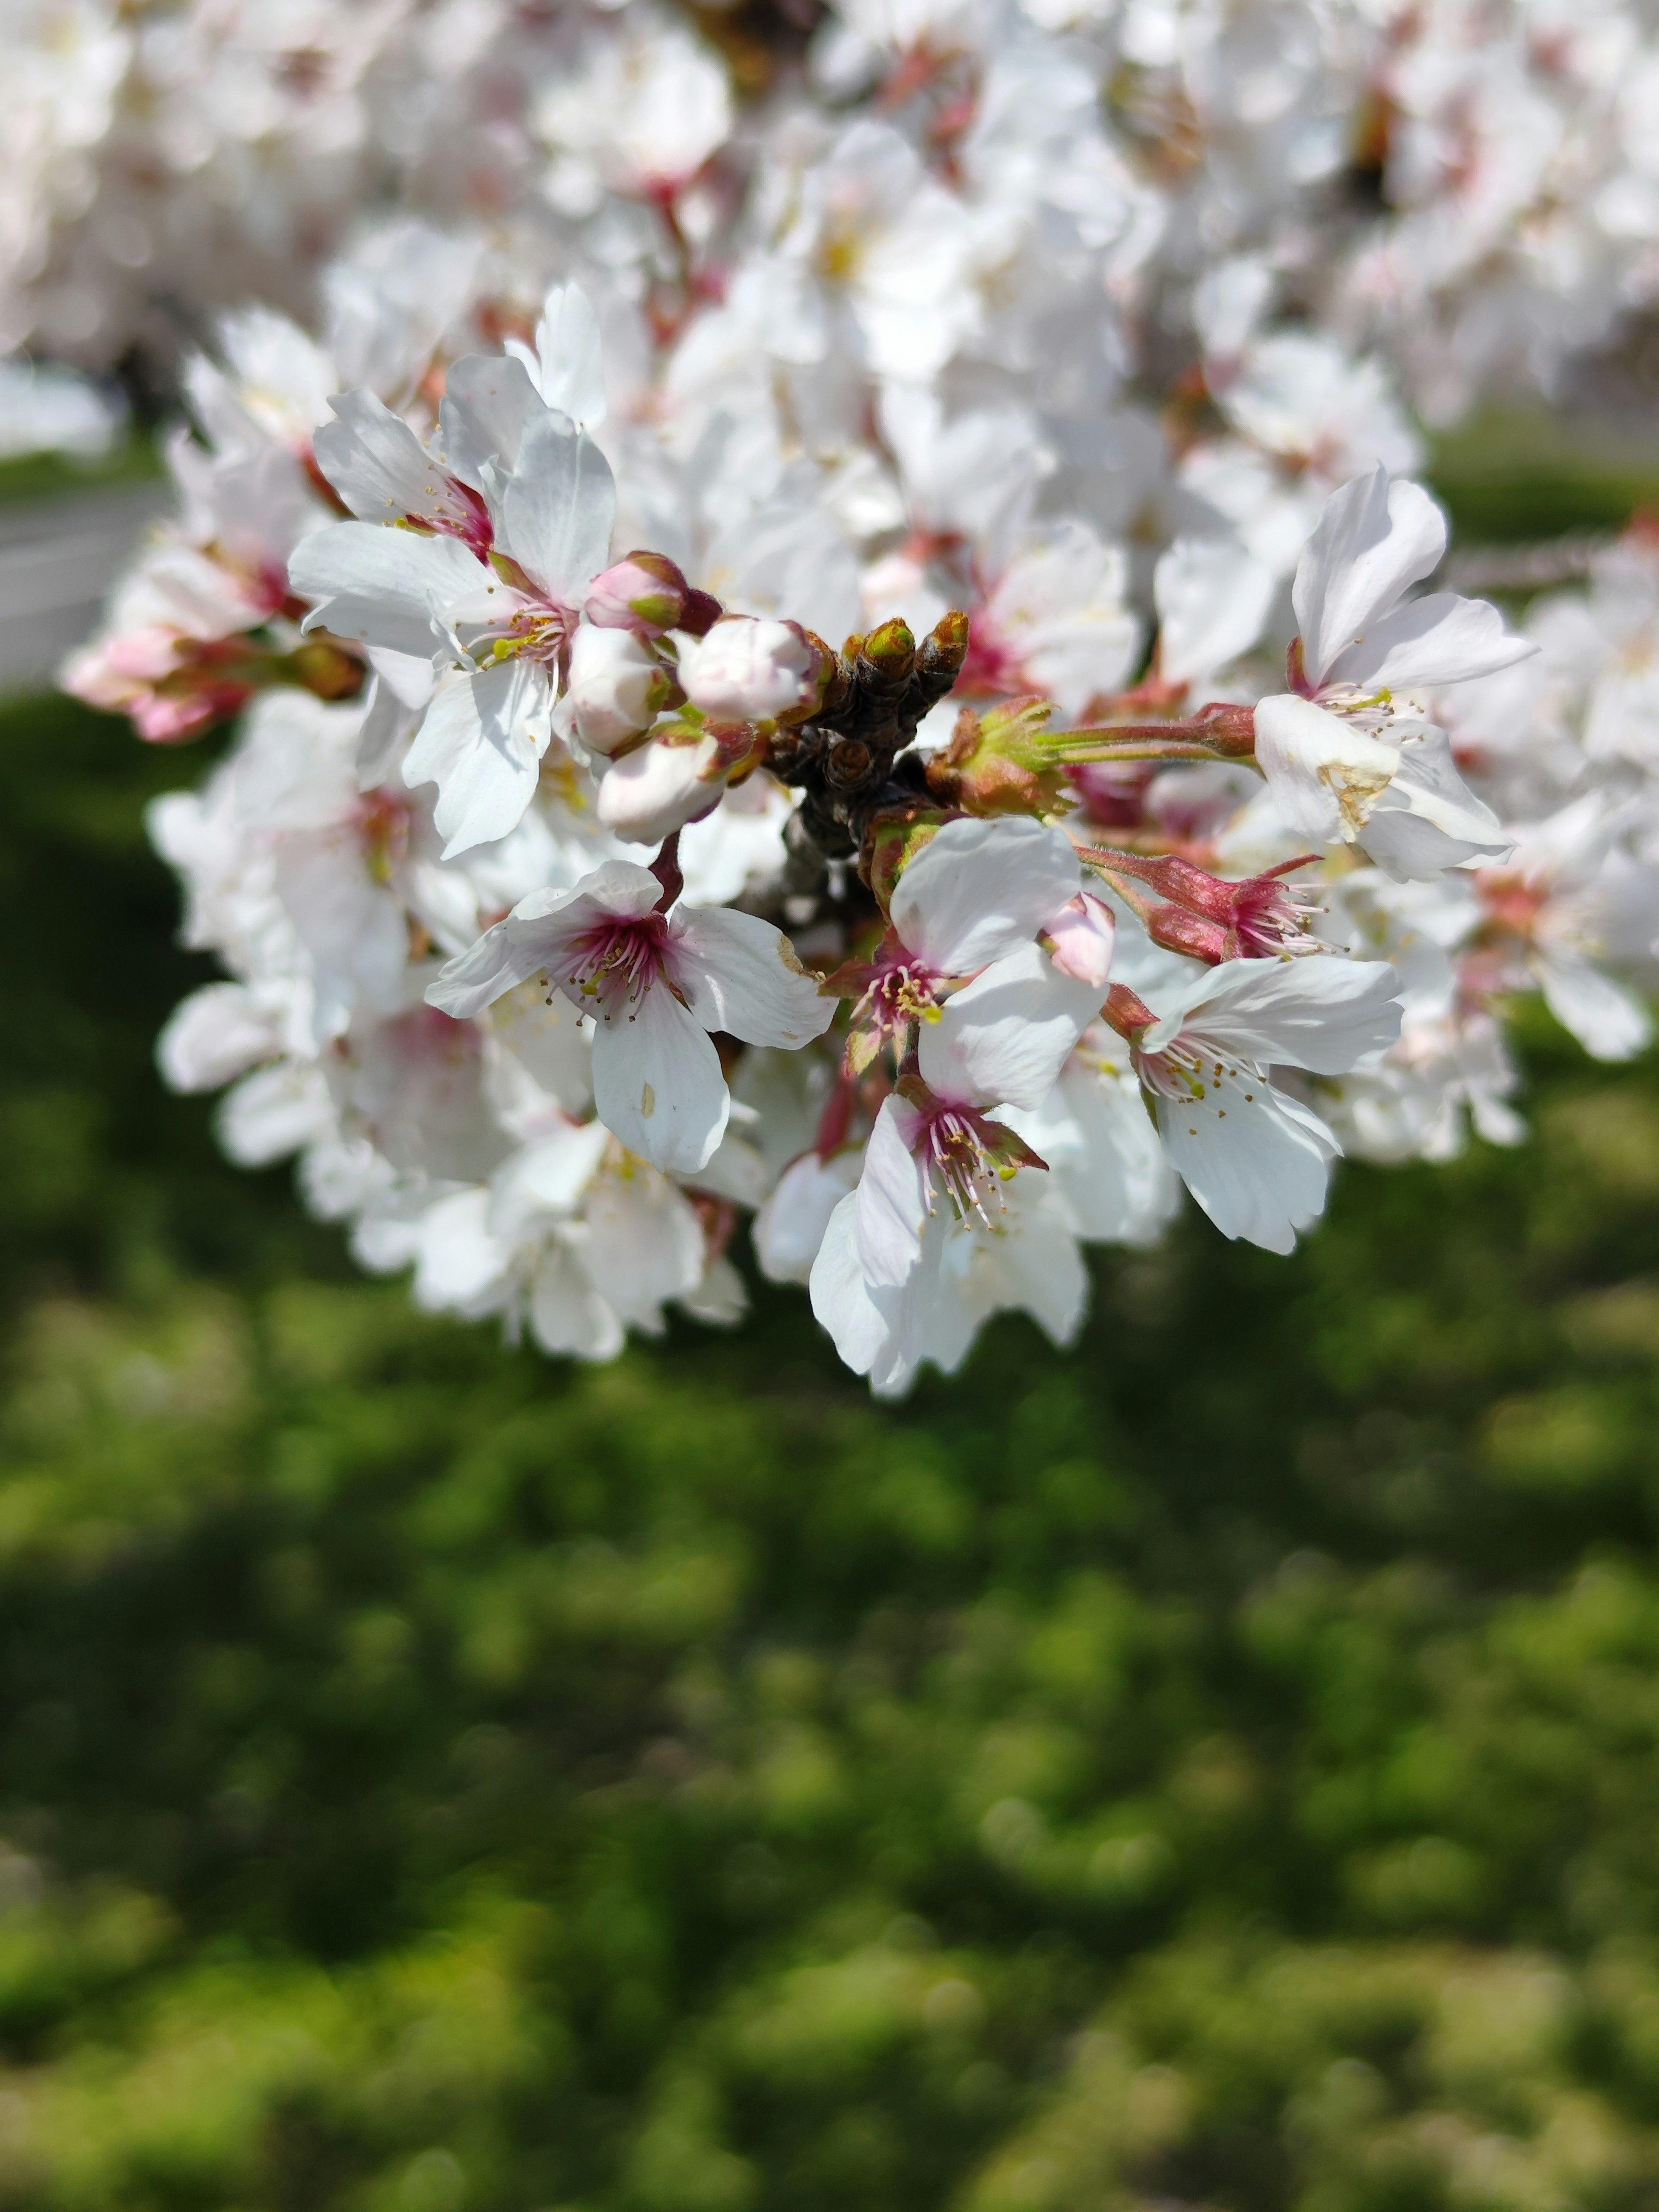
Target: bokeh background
pixel 1217 1766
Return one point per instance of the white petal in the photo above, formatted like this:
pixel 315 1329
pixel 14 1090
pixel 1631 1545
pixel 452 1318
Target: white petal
pixel 1003 1040
pixel 216 1034
pixel 645 1244
pixel 1324 772
pixel 657 1082
pixel 1608 1019
pixel 740 974
pixel 377 463
pixel 891 1199
pixel 567 1313
pixel 790 1227
pixel 1428 819
pixel 481 744
pixel 1372 541
pixel 461 1266
pixel 842 1299
pixel 979 889
pixel 548 1178
pixel 569 358
pixel 1260 1172
pixel 1439 639
pixel 489 402
pixel 390 588
pixel 1212 600
pixel 558 509
pixel 1323 1012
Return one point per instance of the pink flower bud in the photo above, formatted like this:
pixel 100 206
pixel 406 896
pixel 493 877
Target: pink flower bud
pixel 648 795
pixel 1080 939
pixel 617 687
pixel 645 592
pixel 749 670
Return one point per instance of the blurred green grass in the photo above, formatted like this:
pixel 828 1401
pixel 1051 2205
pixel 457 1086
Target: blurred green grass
pixel 1217 1767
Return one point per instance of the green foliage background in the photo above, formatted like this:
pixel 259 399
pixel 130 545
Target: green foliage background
pixel 1218 1767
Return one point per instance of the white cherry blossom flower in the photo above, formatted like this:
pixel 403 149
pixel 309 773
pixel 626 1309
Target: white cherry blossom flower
pixel 1357 760
pixel 1254 1156
pixel 656 984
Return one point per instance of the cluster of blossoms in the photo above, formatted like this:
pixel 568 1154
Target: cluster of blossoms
pixel 1468 185
pixel 1022 773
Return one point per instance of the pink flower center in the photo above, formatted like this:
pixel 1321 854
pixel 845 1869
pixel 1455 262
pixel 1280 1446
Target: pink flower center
pixel 968 1154
pixel 616 962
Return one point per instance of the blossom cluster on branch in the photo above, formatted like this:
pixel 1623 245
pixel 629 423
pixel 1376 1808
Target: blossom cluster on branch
pixel 902 695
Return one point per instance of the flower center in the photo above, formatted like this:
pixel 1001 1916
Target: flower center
pixel 616 964
pixel 970 1155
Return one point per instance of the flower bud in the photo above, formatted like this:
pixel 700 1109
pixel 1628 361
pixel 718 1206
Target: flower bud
pixel 645 592
pixel 1080 939
pixel 648 795
pixel 751 670
pixel 617 687
pixel 996 763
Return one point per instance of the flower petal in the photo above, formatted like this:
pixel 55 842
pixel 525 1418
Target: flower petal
pixel 657 1082
pixel 1372 541
pixel 891 1199
pixel 979 889
pixel 1325 1013
pixel 1325 773
pixel 481 744
pixel 558 509
pixel 1439 639
pixel 1003 1040
pixel 740 974
pixel 389 588
pixel 1258 1169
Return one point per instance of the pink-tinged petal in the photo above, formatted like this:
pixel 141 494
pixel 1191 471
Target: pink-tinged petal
pixel 657 1082
pixel 979 889
pixel 1081 940
pixel 1325 774
pixel 1003 1040
pixel 1258 1164
pixel 390 588
pixel 482 743
pixel 1372 542
pixel 740 974
pixel 537 935
pixel 891 1199
pixel 649 793
pixel 558 509
pixel 1440 639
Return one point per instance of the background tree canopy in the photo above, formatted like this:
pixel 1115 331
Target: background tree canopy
pixel 1217 1767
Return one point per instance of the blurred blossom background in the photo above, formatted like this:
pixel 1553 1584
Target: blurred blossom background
pixel 1213 1765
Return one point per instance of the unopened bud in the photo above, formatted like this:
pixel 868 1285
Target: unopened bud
pixel 751 670
pixel 645 592
pixel 649 793
pixel 886 657
pixel 617 687
pixel 1080 940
